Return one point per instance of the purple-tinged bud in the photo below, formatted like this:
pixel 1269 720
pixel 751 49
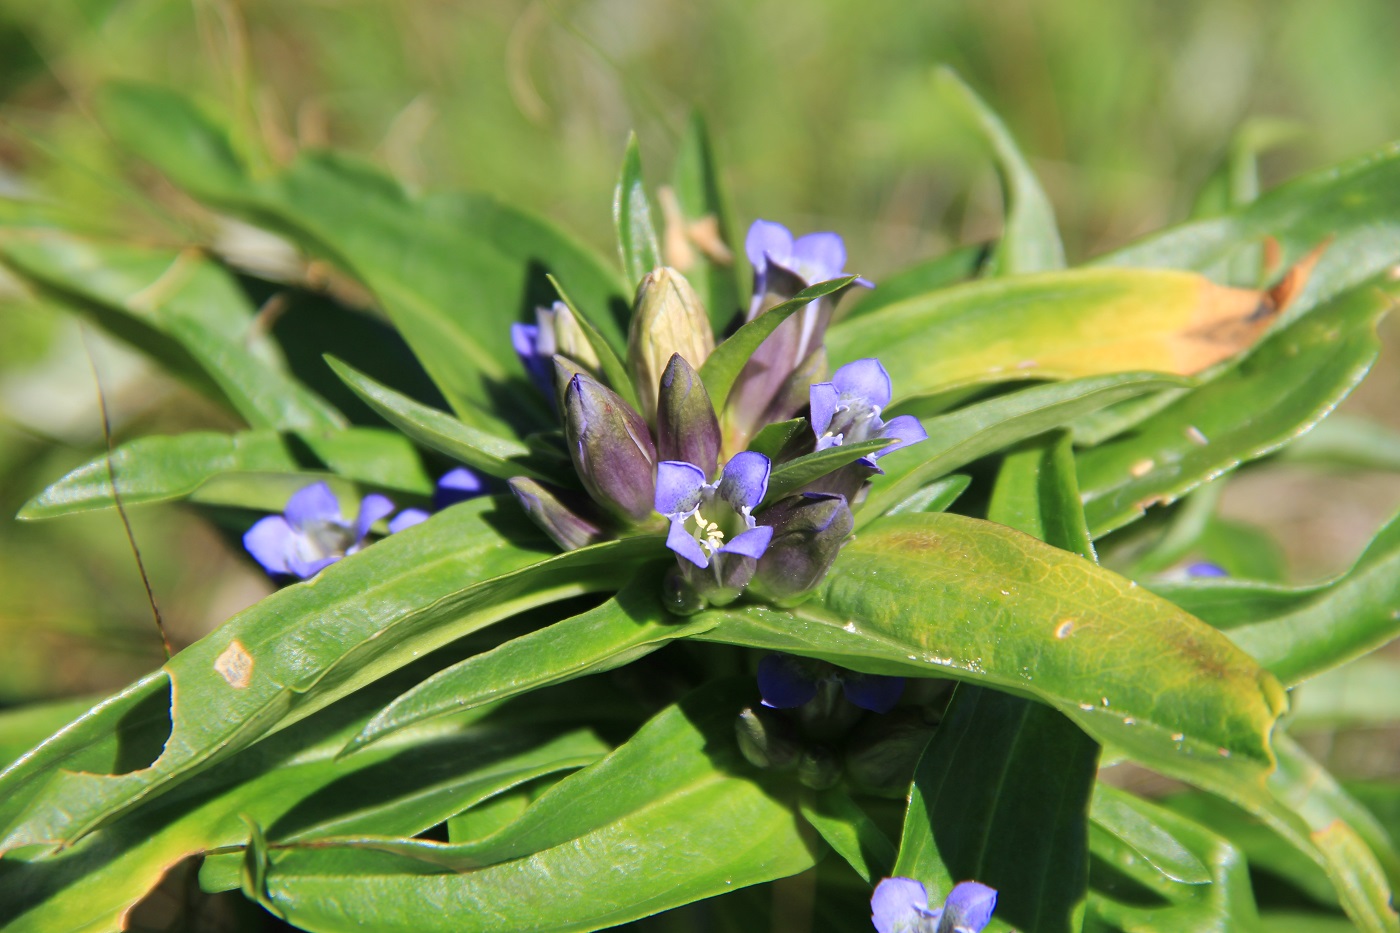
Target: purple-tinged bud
pixel 767 739
pixel 668 319
pixel 565 526
pixel 808 531
pixel 686 426
pixel 881 759
pixel 555 331
pixel 611 448
pixel 570 339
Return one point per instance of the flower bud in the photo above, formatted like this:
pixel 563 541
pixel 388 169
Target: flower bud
pixel 818 769
pixel 808 531
pixel 686 426
pixel 882 758
pixel 668 319
pixel 564 526
pixel 611 448
pixel 569 338
pixel 766 739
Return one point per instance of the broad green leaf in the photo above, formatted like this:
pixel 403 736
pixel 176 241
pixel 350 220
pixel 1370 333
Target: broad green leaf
pixel 945 595
pixel 636 234
pixel 722 367
pixel 1348 618
pixel 1054 325
pixel 23 727
pixel 627 626
pixel 951 268
pixel 181 307
pixel 453 273
pixel 957 439
pixel 613 843
pixel 1001 795
pixel 1202 880
pixel 850 832
pixel 307 645
pixel 1355 206
pixel 493 455
pixel 1289 383
pixel 787 478
pixel 158 469
pixel 705 216
pixel 293 783
pixel 937 496
pixel 1030 241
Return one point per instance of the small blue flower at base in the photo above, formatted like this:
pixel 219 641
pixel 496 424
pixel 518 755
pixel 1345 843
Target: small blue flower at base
pixel 787 682
pixel 901 905
pixel 1205 569
pixel 713 521
pixel 311 534
pixel 457 485
pixel 847 409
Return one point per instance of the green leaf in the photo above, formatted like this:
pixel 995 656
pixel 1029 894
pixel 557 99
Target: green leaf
pixel 1052 325
pixel 1355 205
pixel 945 595
pixel 23 727
pixel 700 193
pixel 614 370
pixel 613 843
pixel 1001 795
pixel 773 439
pixel 636 234
pixel 309 644
pixel 1121 820
pixel 1346 619
pixel 850 832
pixel 721 369
pixel 159 469
pixel 628 626
pixel 937 496
pixel 492 455
pixel 1347 441
pixel 1037 492
pixel 787 478
pixel 1289 383
pixel 185 310
pixel 955 266
pixel 972 432
pixel 1030 241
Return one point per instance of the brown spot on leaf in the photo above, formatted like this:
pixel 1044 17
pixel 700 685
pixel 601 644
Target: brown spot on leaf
pixel 1141 468
pixel 235 665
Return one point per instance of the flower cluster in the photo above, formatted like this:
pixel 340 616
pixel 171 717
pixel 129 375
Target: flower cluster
pixel 901 905
pixel 659 449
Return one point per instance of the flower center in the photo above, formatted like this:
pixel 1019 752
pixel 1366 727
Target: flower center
pixel 854 420
pixel 321 539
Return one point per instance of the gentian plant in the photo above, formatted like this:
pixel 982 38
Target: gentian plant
pixel 742 590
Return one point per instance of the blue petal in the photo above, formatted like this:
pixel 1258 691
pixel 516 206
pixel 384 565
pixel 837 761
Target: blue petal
pixel 314 503
pixel 906 430
pixel 898 904
pixel 768 240
pixel 824 397
pixel 864 379
pixel 751 543
pixel 685 546
pixel 525 338
pixel 678 486
pixel 373 507
pixel 270 541
pixel 819 256
pixel 306 569
pixel 785 682
pixel 1206 569
pixel 407 519
pixel 874 692
pixel 744 482
pixel 456 486
pixel 969 907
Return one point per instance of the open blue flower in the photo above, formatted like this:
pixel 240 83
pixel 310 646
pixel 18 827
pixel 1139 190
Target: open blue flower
pixel 312 534
pixel 457 485
pixel 901 905
pixel 813 258
pixel 847 409
pixel 711 520
pixel 787 682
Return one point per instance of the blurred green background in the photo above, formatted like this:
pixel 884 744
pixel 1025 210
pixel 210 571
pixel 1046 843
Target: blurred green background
pixel 824 118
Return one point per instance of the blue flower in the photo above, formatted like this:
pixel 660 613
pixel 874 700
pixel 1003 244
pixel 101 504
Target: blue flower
pixel 712 524
pixel 847 409
pixel 901 905
pixel 1206 569
pixel 312 534
pixel 787 682
pixel 813 258
pixel 457 485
